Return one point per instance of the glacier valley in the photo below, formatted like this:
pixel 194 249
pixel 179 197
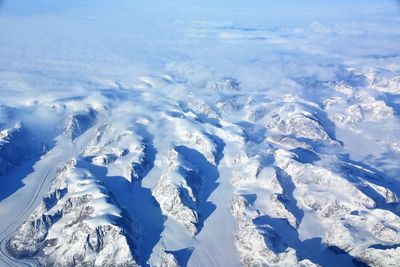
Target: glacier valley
pixel 199 133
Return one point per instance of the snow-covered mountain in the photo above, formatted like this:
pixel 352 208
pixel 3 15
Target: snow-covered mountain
pixel 183 136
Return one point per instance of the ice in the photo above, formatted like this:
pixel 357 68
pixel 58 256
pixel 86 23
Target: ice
pixel 187 133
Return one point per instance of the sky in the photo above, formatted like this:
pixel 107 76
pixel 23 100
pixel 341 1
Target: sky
pixel 66 45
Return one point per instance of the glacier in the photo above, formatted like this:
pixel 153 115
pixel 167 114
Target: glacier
pixel 199 133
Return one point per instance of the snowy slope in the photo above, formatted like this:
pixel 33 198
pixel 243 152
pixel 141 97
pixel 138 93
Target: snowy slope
pixel 199 133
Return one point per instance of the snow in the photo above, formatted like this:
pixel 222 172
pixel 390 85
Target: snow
pixel 199 133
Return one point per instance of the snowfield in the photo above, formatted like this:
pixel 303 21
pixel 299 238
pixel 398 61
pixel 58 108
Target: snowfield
pixel 199 133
